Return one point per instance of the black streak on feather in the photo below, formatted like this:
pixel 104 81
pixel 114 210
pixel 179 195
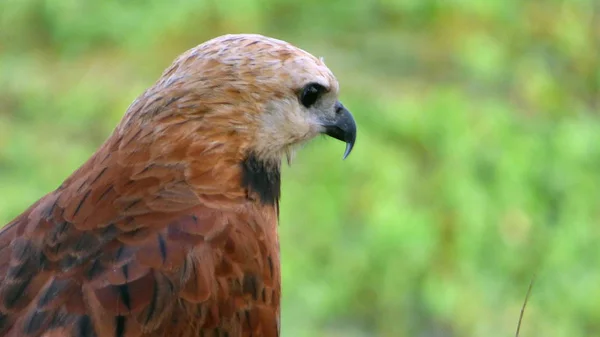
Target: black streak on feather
pixel 172 100
pixel 14 292
pixel 28 267
pixel 125 270
pixel 21 249
pixel 105 158
pixel 95 269
pixel 99 175
pixel 261 178
pixel 81 202
pixel 52 291
pixel 120 326
pixel 34 322
pixel 84 327
pixel 270 261
pixel 105 193
pixel 163 248
pixel 49 211
pixel 132 138
pixel 133 203
pixel 247 314
pixel 124 292
pixel 120 251
pixel 250 286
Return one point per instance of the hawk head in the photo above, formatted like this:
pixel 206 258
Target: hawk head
pixel 245 99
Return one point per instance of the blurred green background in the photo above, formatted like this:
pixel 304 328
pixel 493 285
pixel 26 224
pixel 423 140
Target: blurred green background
pixel 477 161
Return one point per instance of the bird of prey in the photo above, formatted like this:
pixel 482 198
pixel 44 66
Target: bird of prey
pixel 170 228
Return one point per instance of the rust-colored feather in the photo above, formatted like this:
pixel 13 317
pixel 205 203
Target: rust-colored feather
pixel 117 253
pixel 170 228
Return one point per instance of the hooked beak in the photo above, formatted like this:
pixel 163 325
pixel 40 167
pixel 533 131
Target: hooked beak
pixel 343 127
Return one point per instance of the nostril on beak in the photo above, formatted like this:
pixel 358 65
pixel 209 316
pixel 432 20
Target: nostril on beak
pixel 339 108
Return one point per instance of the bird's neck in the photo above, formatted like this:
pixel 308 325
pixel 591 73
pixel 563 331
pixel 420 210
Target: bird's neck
pixel 262 179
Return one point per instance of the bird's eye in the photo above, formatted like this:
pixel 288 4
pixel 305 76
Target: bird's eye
pixel 310 94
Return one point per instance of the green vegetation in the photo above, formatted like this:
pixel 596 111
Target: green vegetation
pixel 477 161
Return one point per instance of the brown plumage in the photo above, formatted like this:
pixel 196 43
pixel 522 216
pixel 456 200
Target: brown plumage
pixel 170 228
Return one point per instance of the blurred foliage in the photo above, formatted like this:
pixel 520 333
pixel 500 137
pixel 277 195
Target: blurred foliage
pixel 477 162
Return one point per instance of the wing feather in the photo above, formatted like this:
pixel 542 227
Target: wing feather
pixel 126 242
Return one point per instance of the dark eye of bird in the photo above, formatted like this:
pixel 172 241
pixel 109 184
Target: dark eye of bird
pixel 310 94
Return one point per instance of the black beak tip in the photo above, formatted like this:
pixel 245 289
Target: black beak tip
pixel 350 140
pixel 349 147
